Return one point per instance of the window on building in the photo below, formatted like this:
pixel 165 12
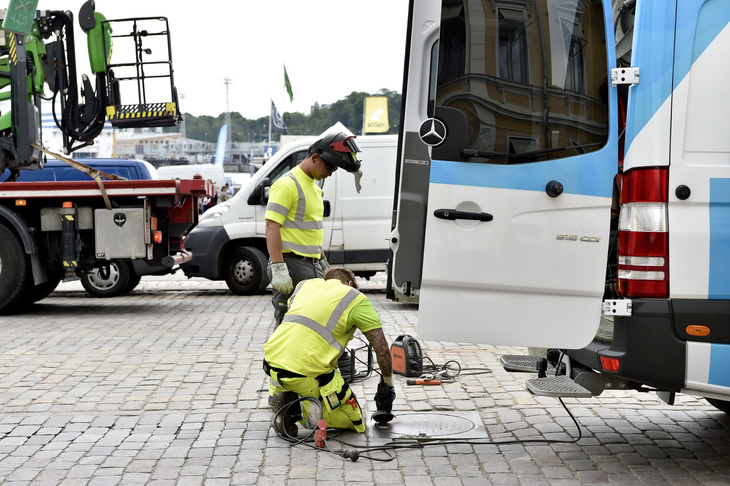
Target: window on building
pixel 513 42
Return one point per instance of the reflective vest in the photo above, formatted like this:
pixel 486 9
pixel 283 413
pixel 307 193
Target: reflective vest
pixel 301 222
pixel 314 332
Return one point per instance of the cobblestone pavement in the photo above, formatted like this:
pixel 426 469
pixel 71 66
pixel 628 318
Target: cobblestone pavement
pixel 164 386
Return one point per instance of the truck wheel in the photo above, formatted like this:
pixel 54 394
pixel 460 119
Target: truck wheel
pixel 722 405
pixel 13 269
pixel 41 291
pixel 245 271
pixel 133 280
pixel 107 280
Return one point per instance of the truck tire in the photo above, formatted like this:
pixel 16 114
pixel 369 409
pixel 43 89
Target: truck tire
pixel 245 271
pixel 13 270
pixel 39 292
pixel 133 280
pixel 722 405
pixel 102 283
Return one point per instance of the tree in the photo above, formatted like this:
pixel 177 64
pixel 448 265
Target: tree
pixel 348 111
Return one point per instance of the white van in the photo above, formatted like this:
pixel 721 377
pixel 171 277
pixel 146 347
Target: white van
pixel 229 242
pixel 211 172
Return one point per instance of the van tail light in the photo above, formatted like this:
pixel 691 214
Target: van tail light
pixel 157 236
pixel 643 250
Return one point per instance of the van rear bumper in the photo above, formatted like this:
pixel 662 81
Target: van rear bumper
pixel 206 244
pixel 648 349
pixel 651 344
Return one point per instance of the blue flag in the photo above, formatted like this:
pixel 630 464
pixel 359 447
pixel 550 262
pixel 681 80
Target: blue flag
pixel 277 121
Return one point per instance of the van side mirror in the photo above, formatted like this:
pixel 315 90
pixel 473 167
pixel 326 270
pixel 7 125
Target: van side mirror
pixel 327 209
pixel 260 195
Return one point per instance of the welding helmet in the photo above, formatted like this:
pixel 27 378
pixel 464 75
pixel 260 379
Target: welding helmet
pixel 338 150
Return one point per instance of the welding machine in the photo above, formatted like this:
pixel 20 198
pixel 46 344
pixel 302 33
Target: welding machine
pixel 407 356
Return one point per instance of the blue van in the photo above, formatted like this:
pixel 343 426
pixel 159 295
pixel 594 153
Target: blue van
pixel 118 276
pixel 57 170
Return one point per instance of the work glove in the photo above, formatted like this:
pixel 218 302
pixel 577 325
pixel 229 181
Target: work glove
pixel 324 264
pixel 280 279
pixel 384 397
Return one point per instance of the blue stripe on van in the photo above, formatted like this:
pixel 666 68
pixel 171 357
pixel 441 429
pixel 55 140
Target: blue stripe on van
pixel 579 176
pixel 719 365
pixel 719 285
pixel 697 26
pixel 653 54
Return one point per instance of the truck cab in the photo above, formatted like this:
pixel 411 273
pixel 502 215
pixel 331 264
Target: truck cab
pixel 562 159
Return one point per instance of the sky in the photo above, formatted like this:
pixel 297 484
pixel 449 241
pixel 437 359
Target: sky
pixel 330 48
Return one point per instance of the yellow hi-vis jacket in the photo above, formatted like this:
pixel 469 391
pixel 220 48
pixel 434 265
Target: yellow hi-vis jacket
pixel 322 317
pixel 295 202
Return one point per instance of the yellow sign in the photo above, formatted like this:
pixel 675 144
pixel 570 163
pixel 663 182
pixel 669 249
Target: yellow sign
pixel 375 118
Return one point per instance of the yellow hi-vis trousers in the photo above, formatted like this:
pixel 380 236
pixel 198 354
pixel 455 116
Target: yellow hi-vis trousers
pixel 340 408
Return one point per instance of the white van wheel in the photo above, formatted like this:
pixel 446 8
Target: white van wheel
pixel 107 281
pixel 245 271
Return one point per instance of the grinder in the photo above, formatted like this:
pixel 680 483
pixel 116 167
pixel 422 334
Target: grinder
pixel 384 398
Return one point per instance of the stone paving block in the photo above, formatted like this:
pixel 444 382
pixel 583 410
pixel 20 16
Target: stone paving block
pixel 164 386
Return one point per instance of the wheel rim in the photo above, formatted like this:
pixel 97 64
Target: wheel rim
pixel 243 271
pixel 96 278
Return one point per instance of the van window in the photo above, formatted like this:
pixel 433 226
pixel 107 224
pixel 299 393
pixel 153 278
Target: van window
pixel 287 164
pixel 524 81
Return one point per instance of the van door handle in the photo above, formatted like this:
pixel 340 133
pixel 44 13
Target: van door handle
pixel 453 214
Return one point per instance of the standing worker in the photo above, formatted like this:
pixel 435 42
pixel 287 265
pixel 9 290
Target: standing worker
pixel 301 356
pixel 294 214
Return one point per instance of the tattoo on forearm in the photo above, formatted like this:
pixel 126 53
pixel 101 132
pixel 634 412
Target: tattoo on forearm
pixel 377 340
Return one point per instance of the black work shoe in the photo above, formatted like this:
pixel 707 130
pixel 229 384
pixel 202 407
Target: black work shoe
pixel 285 422
pixel 284 427
pixel 279 399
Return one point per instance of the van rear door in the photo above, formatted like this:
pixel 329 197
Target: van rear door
pixel 506 168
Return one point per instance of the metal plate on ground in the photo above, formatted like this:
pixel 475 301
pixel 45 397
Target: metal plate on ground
pixel 446 425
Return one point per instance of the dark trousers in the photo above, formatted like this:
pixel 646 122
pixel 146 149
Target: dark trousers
pixel 299 269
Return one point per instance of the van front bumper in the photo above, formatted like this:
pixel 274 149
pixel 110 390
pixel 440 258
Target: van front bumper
pixel 206 244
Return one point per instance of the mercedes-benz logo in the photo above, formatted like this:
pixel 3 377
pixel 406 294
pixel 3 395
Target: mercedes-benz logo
pixel 432 131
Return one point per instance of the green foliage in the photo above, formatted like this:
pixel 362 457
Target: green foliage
pixel 349 111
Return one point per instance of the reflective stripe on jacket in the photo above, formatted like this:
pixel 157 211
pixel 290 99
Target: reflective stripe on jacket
pixel 295 201
pixel 315 330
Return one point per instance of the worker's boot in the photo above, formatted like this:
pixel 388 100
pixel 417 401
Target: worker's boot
pixel 285 423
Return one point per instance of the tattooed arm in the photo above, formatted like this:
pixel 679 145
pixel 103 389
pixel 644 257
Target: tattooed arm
pixel 382 352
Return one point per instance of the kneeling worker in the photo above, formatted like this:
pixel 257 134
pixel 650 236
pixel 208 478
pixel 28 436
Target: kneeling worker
pixel 301 356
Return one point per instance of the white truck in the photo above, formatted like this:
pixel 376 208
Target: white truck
pixel 229 243
pixel 558 158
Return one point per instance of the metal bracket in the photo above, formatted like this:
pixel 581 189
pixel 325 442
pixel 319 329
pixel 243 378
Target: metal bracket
pixel 620 307
pixel 624 76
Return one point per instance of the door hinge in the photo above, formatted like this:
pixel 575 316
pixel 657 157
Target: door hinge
pixel 624 76
pixel 621 307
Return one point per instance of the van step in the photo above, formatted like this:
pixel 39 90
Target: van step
pixel 521 362
pixel 556 386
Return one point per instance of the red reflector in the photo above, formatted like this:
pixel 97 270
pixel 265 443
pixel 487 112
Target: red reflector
pixel 609 364
pixel 157 236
